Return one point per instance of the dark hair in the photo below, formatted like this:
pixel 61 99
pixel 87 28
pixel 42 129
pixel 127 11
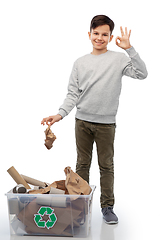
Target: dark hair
pixel 100 20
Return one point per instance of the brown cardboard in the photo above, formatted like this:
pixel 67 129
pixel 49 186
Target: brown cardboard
pixel 56 191
pixel 61 185
pixel 43 190
pixel 33 181
pixel 56 185
pixel 75 184
pixel 63 226
pixel 17 177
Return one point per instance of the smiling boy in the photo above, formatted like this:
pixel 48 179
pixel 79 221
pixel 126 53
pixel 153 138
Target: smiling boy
pixel 94 88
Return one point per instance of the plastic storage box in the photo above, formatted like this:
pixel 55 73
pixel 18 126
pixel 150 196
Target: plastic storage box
pixel 50 214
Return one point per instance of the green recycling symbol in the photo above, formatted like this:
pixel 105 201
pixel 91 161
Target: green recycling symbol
pixel 45 211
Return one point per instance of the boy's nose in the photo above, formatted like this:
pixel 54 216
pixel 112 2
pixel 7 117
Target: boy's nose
pixel 99 37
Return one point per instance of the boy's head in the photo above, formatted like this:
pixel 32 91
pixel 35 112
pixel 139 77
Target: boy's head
pixel 100 34
pixel 100 20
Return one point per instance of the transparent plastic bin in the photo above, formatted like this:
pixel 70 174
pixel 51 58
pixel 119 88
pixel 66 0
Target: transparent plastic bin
pixel 50 214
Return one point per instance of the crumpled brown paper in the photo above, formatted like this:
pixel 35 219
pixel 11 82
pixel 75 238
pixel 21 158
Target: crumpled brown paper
pixel 50 138
pixel 75 184
pixel 57 184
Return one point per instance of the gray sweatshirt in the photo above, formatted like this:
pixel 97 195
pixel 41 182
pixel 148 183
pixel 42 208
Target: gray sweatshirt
pixel 95 84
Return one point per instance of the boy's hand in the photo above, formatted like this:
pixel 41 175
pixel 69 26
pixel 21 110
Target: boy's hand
pixel 123 41
pixel 51 119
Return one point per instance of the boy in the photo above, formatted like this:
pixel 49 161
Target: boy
pixel 94 87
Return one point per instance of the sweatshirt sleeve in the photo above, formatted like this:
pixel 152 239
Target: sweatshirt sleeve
pixel 133 65
pixel 72 95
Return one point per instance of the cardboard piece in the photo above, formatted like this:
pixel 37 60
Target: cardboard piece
pixel 51 201
pixel 17 177
pixel 34 181
pixel 56 191
pixel 58 187
pixel 50 138
pixel 43 190
pixel 75 184
pixel 61 185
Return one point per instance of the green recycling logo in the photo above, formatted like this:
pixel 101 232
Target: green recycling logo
pixel 45 211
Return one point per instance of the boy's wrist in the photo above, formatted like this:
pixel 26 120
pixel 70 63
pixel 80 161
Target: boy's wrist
pixel 62 113
pixel 128 47
pixel 59 116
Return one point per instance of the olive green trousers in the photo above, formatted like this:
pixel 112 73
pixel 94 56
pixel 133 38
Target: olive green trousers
pixel 103 135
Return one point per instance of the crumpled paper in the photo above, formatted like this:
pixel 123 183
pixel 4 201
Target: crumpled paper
pixel 75 184
pixel 57 184
pixel 50 138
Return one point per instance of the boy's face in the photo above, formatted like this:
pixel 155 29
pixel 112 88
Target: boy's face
pixel 100 37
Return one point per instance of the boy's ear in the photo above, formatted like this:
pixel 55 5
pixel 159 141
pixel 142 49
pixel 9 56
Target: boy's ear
pixel 89 34
pixel 111 37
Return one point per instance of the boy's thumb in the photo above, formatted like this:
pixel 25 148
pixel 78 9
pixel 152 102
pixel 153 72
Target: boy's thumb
pixel 116 40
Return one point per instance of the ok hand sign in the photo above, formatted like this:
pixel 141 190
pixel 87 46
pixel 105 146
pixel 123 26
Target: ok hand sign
pixel 123 41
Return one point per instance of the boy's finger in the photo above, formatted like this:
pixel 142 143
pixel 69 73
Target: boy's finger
pixel 52 122
pixel 129 33
pixel 116 40
pixel 126 33
pixel 122 31
pixel 42 122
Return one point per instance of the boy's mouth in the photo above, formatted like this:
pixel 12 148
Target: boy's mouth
pixel 99 43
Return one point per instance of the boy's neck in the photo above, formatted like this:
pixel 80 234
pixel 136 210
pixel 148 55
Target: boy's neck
pixel 98 52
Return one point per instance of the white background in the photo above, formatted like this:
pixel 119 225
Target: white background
pixel 39 41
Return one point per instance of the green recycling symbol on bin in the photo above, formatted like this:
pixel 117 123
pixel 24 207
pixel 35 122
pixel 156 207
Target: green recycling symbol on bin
pixel 45 211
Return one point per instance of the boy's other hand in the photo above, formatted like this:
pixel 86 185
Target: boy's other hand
pixel 51 119
pixel 123 41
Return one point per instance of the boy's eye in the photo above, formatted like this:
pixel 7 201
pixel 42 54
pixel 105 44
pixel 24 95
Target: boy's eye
pixel 103 34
